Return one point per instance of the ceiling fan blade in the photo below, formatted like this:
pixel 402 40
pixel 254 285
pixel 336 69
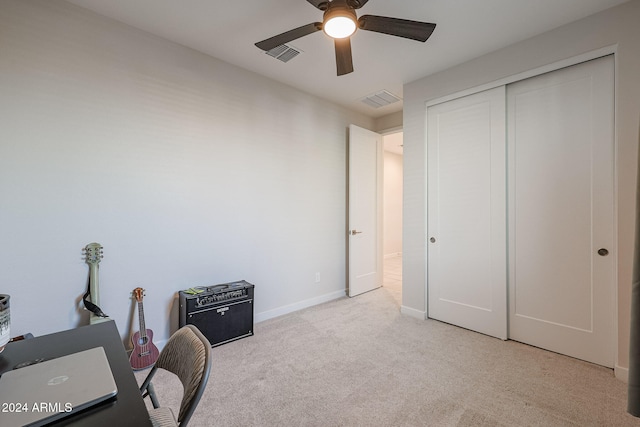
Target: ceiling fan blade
pixel 414 30
pixel 344 61
pixel 290 35
pixel 324 4
pixel 357 4
pixel 320 4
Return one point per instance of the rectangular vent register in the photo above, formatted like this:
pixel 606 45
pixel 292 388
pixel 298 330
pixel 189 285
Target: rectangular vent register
pixel 283 52
pixel 223 313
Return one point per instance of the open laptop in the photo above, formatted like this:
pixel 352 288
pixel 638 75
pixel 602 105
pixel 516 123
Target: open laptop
pixel 47 391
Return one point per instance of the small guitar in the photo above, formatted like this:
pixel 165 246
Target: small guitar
pixel 145 353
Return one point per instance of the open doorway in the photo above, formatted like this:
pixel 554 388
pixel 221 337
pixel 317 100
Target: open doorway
pixel 392 214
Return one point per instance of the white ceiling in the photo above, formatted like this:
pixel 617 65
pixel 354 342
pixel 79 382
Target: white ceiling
pixel 465 29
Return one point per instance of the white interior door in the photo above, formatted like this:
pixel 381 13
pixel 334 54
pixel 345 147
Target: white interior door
pixel 561 200
pixel 365 210
pixel 467 212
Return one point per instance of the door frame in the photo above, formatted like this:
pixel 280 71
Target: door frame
pixel 384 133
pixel 379 207
pixel 621 373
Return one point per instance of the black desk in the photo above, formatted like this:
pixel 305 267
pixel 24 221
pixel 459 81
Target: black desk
pixel 126 409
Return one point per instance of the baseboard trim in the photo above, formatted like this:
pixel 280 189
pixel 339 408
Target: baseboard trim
pixel 621 373
pixel 270 314
pixel 412 312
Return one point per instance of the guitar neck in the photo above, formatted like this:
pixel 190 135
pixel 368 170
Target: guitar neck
pixel 143 328
pixel 94 289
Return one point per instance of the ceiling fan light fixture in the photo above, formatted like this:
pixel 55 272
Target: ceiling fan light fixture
pixel 339 27
pixel 339 22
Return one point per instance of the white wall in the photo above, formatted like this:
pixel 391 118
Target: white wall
pixel 392 212
pixel 390 122
pixel 615 27
pixel 189 171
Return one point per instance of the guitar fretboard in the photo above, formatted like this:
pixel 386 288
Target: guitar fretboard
pixel 143 329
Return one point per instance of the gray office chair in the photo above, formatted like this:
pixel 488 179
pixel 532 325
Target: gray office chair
pixel 187 354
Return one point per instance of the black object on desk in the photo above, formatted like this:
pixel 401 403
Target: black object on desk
pixel 126 409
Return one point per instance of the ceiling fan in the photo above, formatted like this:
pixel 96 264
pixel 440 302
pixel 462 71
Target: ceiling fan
pixel 340 22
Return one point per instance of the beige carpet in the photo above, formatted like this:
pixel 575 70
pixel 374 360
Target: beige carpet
pixel 359 362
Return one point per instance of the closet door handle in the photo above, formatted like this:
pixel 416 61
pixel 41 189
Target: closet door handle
pixel 603 252
pixel 432 240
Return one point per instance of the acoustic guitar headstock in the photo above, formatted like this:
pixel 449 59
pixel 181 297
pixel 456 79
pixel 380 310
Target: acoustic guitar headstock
pixel 138 293
pixel 93 253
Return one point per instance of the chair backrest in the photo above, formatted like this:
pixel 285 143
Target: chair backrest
pixel 187 354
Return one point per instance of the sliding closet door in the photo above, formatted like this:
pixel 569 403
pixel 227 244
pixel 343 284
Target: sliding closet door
pixel 466 212
pixel 561 224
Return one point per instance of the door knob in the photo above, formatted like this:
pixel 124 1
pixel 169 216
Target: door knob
pixel 432 240
pixel 603 252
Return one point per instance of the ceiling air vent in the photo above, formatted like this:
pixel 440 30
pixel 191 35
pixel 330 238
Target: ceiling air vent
pixel 283 52
pixel 380 99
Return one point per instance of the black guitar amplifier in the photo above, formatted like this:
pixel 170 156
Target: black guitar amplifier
pixel 223 313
